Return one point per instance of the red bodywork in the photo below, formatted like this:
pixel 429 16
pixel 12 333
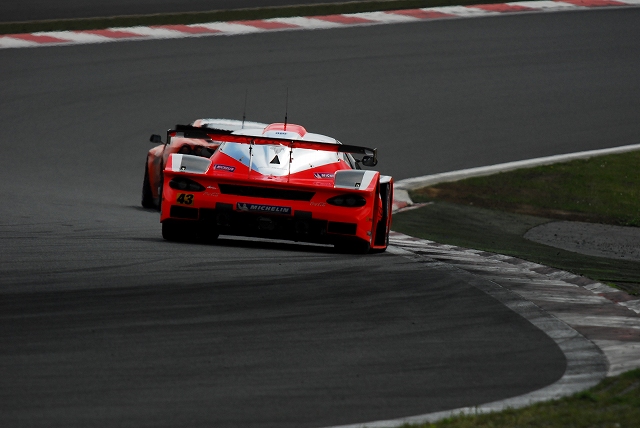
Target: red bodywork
pixel 222 195
pixel 157 159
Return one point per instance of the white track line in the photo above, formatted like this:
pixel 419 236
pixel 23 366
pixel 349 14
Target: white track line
pixel 429 180
pixel 307 23
pixel 461 11
pixel 8 42
pixel 546 5
pixel 384 17
pixel 229 28
pixel 77 37
pixel 155 33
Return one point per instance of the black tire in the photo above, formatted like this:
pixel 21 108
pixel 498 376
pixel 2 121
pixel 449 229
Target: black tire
pixel 173 231
pixel 160 189
pixel 147 195
pixel 356 246
pixel 383 226
pixel 386 241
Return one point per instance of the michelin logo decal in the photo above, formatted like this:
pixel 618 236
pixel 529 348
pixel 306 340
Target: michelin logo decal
pixel 323 175
pixel 225 167
pixel 267 209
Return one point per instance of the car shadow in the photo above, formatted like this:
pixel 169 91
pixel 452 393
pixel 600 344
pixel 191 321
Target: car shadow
pixel 247 242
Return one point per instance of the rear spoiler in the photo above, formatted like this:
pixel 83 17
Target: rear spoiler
pixel 189 131
pixel 227 136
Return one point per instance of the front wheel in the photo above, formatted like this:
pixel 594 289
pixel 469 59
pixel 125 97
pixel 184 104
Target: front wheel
pixel 378 250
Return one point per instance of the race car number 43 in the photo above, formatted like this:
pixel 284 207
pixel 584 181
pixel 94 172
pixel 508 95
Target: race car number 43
pixel 184 198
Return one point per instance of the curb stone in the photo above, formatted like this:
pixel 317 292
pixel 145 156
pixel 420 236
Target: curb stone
pixel 599 312
pixel 178 31
pixel 587 365
pixel 590 327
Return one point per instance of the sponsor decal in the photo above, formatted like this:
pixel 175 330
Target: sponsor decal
pixel 224 167
pixel 323 175
pixel 267 209
pixel 211 191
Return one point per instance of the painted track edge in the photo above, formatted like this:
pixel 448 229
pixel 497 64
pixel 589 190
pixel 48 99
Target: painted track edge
pixel 586 363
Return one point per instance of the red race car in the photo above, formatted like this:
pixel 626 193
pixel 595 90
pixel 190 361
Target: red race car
pixel 189 141
pixel 273 181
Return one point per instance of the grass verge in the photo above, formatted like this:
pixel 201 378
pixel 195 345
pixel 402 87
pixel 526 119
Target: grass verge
pixel 226 15
pixel 615 402
pixel 493 213
pixel 603 189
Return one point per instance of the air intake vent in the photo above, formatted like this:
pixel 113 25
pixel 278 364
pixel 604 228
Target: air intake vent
pixel 266 192
pixel 183 212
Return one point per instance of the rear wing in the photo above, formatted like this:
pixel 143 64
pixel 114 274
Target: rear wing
pixel 189 131
pixel 220 135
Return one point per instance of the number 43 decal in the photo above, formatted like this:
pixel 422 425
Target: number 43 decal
pixel 184 198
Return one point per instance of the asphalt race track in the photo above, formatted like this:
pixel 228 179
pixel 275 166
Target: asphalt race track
pixel 103 323
pixel 35 10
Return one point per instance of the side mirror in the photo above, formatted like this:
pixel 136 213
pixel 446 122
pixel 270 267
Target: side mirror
pixel 369 161
pixel 155 139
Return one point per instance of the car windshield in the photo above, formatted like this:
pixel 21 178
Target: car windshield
pixel 273 159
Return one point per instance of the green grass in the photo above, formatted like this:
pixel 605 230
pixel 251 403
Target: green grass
pixel 225 15
pixel 602 189
pixel 493 213
pixel 615 402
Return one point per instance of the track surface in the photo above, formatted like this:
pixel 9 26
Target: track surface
pixel 100 320
pixel 35 10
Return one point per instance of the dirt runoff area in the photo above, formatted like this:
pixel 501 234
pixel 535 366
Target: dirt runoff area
pixel 600 240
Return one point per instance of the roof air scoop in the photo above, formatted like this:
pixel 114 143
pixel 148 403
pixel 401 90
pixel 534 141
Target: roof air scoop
pixel 275 160
pixel 290 132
